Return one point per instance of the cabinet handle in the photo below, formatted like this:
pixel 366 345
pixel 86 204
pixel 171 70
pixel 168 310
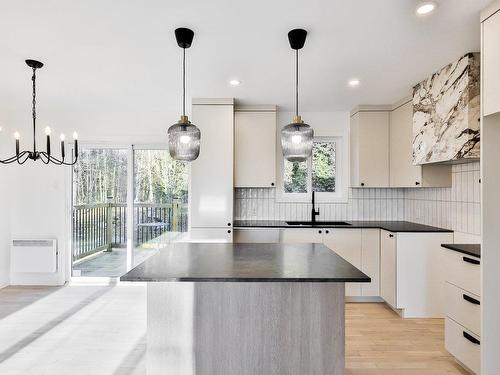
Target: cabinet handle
pixel 320 232
pixel 326 231
pixel 470 260
pixel 362 184
pixel 391 235
pixel 471 338
pixel 229 231
pixel 272 183
pixel 471 300
pixel 228 224
pixel 417 183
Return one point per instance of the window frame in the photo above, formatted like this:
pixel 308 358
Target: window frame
pixel 340 194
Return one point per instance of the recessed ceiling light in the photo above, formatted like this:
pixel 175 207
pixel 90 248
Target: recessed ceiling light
pixel 425 8
pixel 354 82
pixel 234 82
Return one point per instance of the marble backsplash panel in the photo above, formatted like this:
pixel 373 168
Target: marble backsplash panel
pixel 446 113
pixel 456 208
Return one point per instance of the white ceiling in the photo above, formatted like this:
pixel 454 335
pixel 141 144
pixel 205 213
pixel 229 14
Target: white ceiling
pixel 117 61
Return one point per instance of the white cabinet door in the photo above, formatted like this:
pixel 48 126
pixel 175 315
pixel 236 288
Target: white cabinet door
pixel 347 244
pixel 218 235
pixel 370 261
pixel 370 149
pixel 491 65
pixel 403 172
pixel 257 235
pixel 211 187
pixel 301 235
pixel 388 267
pixel 255 148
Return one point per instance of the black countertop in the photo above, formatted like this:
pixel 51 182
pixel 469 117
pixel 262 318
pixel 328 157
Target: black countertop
pixel 230 262
pixel 469 249
pixel 392 226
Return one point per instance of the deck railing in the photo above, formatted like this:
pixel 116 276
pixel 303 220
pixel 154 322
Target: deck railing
pixel 98 227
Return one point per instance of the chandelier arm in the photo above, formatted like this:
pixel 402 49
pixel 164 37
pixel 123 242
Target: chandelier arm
pixel 9 160
pixel 44 158
pixel 59 161
pixel 20 159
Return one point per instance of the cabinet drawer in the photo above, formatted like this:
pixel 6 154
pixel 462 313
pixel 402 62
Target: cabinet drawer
pixel 464 308
pixel 256 235
pixel 458 341
pixel 463 271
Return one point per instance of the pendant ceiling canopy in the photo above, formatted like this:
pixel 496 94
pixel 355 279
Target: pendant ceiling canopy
pixel 45 156
pixel 297 137
pixel 184 137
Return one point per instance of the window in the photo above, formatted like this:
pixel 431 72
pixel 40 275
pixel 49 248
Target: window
pixel 320 173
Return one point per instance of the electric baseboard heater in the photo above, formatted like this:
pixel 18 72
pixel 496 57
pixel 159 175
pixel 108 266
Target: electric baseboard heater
pixel 33 256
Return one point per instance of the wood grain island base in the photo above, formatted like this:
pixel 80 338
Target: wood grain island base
pixel 245 328
pixel 246 309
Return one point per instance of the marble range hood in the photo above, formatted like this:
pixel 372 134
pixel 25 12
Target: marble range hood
pixel 446 113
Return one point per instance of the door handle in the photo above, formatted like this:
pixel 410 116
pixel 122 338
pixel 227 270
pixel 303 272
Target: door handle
pixel 471 338
pixel 391 235
pixel 470 260
pixel 471 300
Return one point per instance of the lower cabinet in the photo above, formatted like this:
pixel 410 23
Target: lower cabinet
pixel 463 344
pixel 209 235
pixel 256 235
pixel 463 308
pixel 360 247
pixel 388 267
pixel 412 275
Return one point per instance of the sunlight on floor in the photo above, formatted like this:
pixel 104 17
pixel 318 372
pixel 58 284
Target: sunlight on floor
pixel 74 330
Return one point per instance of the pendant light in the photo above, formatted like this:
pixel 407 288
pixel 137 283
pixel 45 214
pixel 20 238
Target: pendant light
pixel 297 137
pixel 184 137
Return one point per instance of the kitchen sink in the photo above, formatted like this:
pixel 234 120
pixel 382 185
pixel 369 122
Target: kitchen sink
pixel 317 223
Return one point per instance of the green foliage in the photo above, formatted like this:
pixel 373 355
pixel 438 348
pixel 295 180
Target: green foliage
pixel 295 177
pixel 323 172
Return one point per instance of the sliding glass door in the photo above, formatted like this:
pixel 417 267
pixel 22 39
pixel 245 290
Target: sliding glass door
pixel 160 201
pixel 113 187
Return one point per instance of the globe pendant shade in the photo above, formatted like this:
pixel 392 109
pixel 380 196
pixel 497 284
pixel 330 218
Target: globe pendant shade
pixel 297 142
pixel 184 142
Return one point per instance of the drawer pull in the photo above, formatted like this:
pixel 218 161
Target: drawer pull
pixel 470 260
pixel 471 338
pixel 471 300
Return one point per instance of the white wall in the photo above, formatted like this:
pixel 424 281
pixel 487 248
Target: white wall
pixel 34 198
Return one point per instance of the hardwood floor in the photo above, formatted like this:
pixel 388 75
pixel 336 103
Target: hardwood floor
pixel 379 342
pixel 100 330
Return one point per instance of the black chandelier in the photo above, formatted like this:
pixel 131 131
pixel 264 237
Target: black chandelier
pixel 45 156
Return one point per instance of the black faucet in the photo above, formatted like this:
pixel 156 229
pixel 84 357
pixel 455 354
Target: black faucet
pixel 314 212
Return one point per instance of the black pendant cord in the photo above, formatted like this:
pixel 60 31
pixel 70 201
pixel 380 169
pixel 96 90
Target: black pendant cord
pixel 33 78
pixel 184 82
pixel 296 82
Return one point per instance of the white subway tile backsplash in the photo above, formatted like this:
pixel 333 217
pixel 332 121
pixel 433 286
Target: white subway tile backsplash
pixel 456 208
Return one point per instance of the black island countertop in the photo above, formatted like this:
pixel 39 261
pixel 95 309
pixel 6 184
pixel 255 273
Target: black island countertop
pixel 469 249
pixel 391 226
pixel 232 262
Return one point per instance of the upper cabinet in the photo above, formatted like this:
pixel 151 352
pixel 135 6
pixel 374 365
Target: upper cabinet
pixel 369 136
pixel 491 62
pixel 255 146
pixel 402 170
pixel 382 150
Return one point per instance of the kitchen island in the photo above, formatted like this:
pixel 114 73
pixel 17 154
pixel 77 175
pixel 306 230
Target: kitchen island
pixel 246 309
